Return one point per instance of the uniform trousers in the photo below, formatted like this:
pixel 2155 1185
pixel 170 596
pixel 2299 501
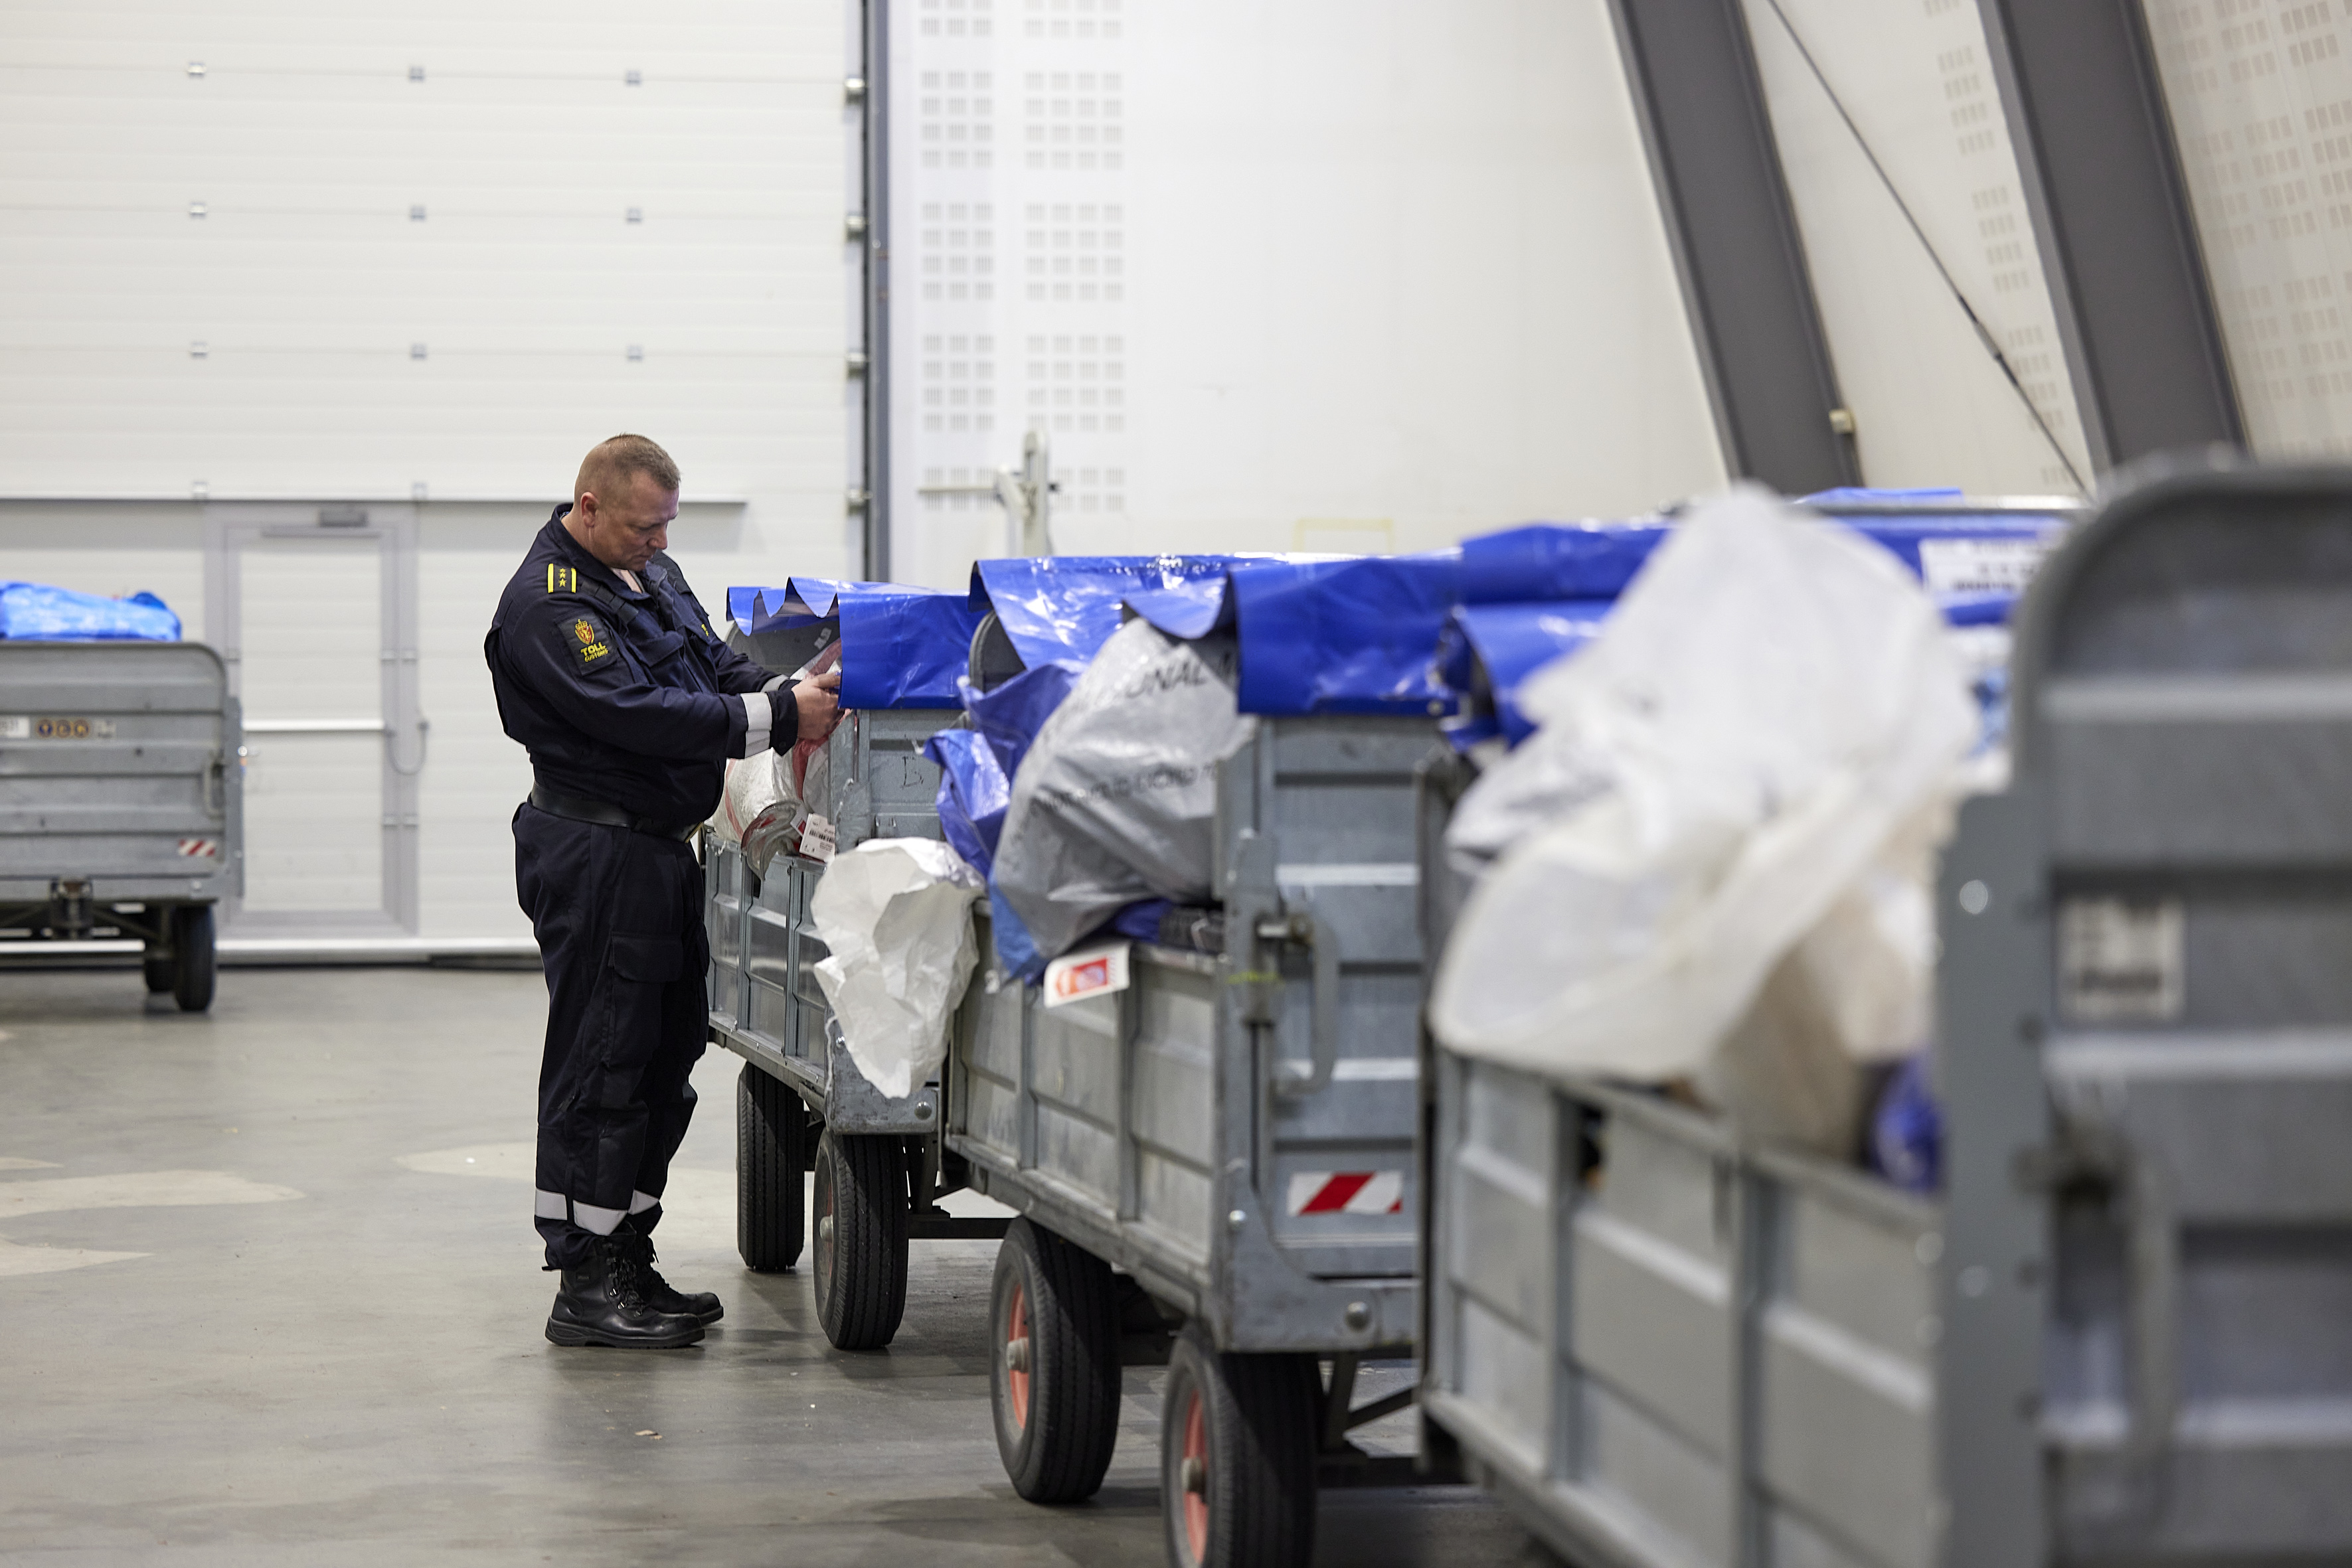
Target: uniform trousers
pixel 618 915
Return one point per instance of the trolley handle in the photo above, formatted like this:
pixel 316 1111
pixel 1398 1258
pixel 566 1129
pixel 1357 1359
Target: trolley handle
pixel 1308 929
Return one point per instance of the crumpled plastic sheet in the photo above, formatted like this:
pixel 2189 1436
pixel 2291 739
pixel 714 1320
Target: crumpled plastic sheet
pixel 896 917
pixel 1116 802
pixel 1771 707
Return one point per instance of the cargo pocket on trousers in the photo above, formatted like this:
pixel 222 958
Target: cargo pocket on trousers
pixel 652 960
pixel 637 966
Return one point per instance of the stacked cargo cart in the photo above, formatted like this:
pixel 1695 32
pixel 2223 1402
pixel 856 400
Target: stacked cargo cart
pixel 2117 1334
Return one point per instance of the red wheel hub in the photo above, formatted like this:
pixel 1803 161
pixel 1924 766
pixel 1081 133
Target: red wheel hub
pixel 1016 1356
pixel 1192 1475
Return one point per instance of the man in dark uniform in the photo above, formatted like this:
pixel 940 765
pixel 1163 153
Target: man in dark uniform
pixel 606 668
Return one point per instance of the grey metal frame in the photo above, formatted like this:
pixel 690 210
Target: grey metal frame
pixel 1691 67
pixel 1158 1127
pixel 228 527
pixel 2111 215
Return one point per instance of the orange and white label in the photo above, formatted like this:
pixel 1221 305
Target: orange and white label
pixel 200 849
pixel 1090 972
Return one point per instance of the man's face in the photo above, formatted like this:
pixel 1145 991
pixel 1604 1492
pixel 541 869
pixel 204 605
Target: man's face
pixel 624 528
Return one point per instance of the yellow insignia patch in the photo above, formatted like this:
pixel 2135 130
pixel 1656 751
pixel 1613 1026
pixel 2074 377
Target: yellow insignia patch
pixel 584 631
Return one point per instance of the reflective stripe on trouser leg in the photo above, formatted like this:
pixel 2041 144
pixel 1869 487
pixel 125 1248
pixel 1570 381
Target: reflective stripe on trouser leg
pixel 548 1205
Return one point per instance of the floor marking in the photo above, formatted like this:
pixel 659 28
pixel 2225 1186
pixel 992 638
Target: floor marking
pixel 18 1162
pixel 133 1189
pixel 128 1189
pixel 15 1260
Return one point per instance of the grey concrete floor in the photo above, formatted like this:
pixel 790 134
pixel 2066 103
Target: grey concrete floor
pixel 269 1294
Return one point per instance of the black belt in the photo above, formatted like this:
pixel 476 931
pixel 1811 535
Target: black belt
pixel 582 809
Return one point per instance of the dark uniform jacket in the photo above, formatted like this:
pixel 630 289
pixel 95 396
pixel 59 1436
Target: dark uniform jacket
pixel 620 696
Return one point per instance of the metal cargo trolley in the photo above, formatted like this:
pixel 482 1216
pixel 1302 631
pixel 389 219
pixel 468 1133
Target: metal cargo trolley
pixel 2118 1335
pixel 802 1107
pixel 121 800
pixel 1213 1165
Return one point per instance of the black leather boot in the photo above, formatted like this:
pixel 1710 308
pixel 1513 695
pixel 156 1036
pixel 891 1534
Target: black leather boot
pixel 604 1301
pixel 658 1292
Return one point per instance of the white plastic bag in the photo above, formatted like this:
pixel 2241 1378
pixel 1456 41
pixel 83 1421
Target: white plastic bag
pixel 896 917
pixel 1117 801
pixel 1772 701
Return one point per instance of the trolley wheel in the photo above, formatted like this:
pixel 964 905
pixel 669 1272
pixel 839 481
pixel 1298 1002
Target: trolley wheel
pixel 861 1239
pixel 1054 1381
pixel 193 958
pixel 771 1172
pixel 159 969
pixel 1238 1441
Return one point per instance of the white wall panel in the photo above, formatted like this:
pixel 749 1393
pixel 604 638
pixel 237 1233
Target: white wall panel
pixel 1930 404
pixel 2261 97
pixel 310 339
pixel 1321 274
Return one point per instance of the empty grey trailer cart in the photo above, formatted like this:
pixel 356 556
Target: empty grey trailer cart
pixel 802 1108
pixel 121 801
pixel 2120 1335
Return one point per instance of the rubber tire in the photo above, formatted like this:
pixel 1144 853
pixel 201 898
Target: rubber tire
pixel 194 959
pixel 160 970
pixel 861 1242
pixel 1059 1452
pixel 1259 1417
pixel 772 1128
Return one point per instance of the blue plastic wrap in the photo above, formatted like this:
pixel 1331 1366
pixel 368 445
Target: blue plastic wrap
pixel 1496 639
pixel 1907 1130
pixel 1324 635
pixel 1557 561
pixel 1010 715
pixel 36 613
pixel 1506 643
pixel 902 647
pixel 973 796
pixel 1067 607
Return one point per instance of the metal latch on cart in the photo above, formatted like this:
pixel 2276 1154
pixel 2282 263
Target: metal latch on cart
pixel 1303 928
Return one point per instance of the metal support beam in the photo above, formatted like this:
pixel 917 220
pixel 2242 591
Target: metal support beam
pixel 1692 69
pixel 875 96
pixel 2118 242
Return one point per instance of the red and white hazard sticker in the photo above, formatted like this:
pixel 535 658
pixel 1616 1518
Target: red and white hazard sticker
pixel 201 849
pixel 1346 1192
pixel 1091 972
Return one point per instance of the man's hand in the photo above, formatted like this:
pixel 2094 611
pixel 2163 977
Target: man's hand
pixel 820 710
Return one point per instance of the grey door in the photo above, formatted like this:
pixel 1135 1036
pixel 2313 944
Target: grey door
pixel 314 610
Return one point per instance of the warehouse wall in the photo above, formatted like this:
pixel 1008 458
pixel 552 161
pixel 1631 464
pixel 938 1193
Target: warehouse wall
pixel 1313 276
pixel 324 254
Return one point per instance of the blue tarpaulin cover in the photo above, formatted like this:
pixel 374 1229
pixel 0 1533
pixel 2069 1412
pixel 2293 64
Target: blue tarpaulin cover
pixel 1557 561
pixel 1066 606
pixel 1322 635
pixel 902 647
pixel 36 613
pixel 1506 643
pixel 1577 569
